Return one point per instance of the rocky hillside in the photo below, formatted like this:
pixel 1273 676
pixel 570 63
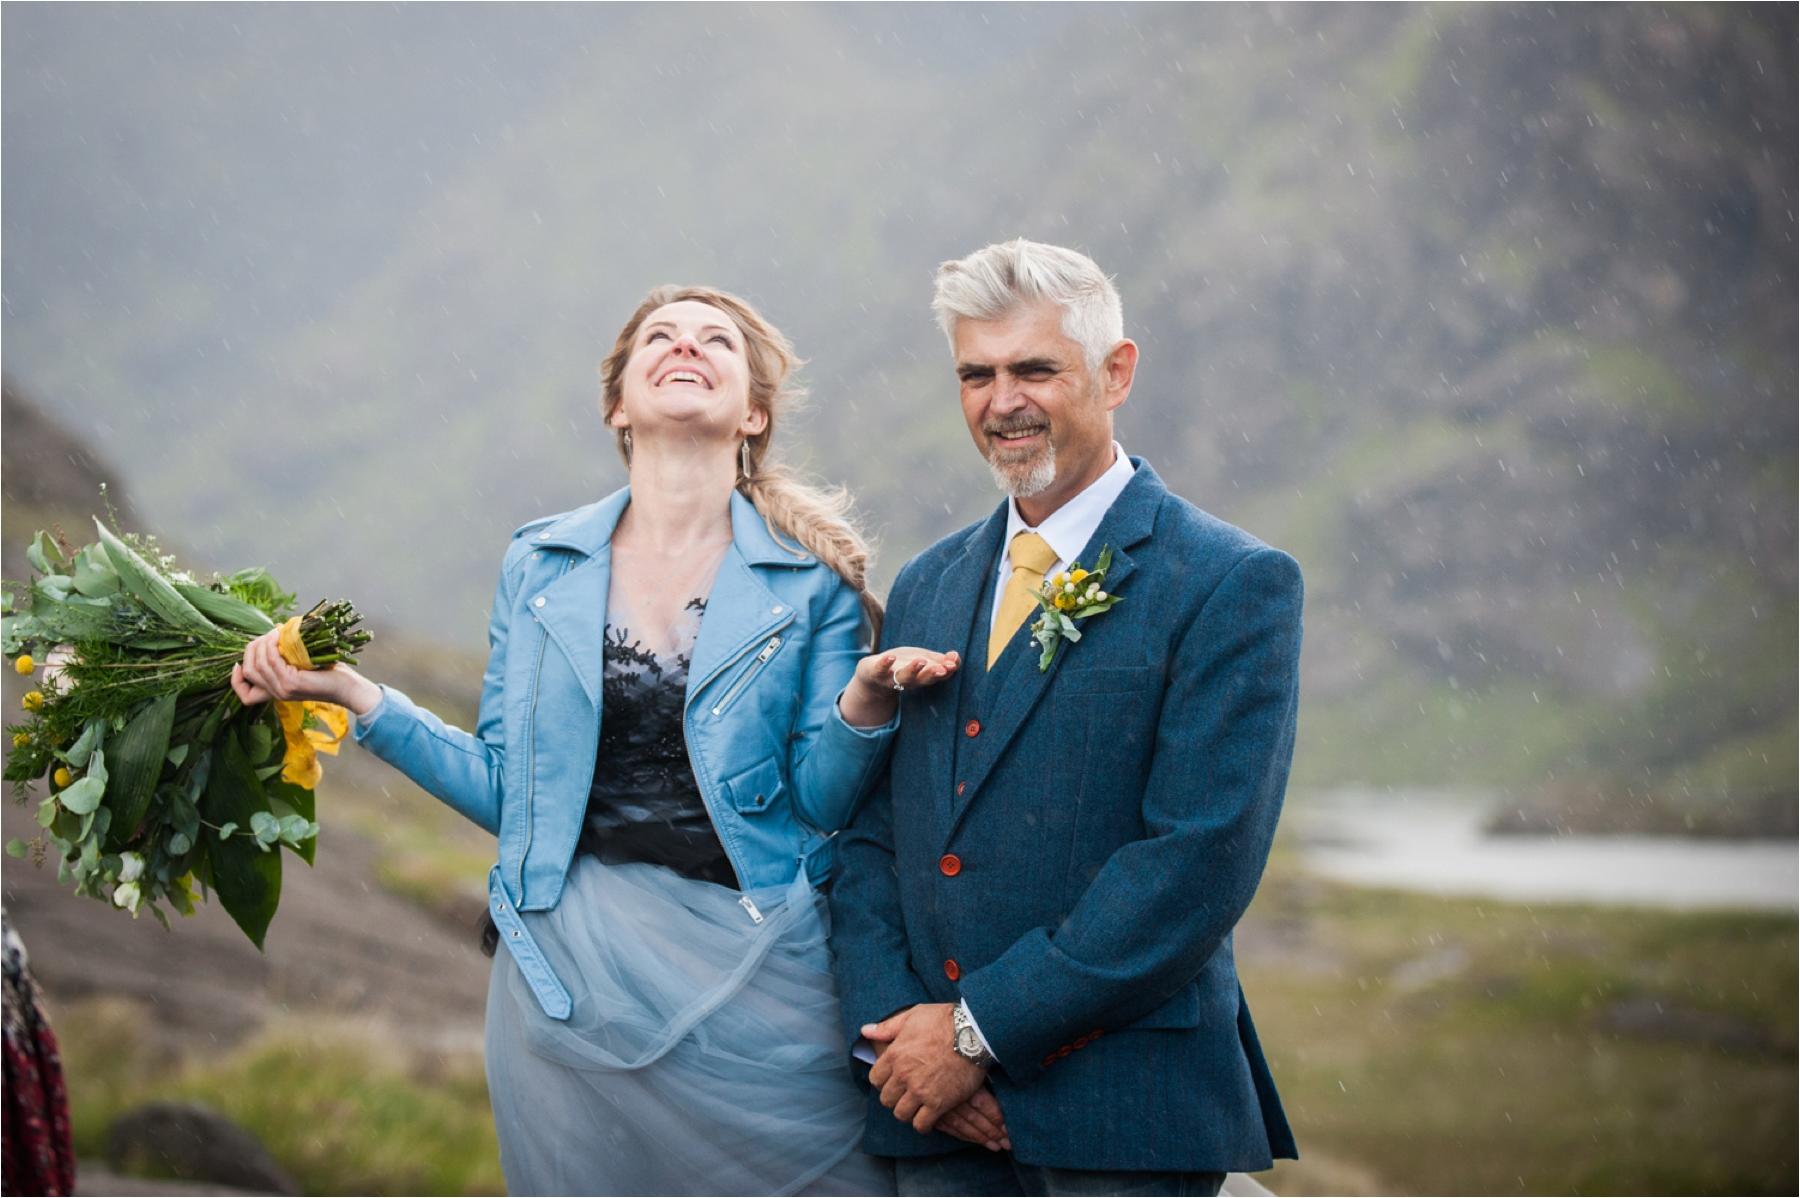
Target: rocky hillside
pixel 1487 313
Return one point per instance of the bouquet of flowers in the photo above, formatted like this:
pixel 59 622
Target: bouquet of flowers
pixel 160 781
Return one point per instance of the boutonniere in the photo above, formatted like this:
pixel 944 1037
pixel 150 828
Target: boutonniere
pixel 1074 594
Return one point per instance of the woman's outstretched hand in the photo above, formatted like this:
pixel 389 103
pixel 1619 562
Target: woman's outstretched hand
pixel 264 674
pixel 873 694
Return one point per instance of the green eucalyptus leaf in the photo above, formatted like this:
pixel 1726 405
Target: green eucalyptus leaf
pixel 94 575
pixel 225 831
pixel 54 587
pixel 18 631
pixel 46 813
pixel 72 618
pixel 83 796
pixel 93 735
pixel 45 555
pixel 177 754
pixel 180 843
pixel 290 798
pixel 16 847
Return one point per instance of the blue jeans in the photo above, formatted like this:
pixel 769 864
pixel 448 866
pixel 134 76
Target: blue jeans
pixel 976 1171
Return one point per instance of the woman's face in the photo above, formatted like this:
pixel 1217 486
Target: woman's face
pixel 688 371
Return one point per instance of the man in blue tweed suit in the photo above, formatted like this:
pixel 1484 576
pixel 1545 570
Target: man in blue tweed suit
pixel 1033 915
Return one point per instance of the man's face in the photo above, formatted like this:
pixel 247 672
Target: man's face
pixel 1041 419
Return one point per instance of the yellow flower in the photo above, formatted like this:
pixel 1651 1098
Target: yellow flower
pixel 62 777
pixel 293 649
pixel 32 700
pixel 1065 602
pixel 1057 580
pixel 310 729
pixel 24 664
pixel 21 739
pixel 1078 575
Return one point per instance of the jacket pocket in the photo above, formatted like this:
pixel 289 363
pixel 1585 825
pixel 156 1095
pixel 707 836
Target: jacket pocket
pixel 748 674
pixel 1181 1011
pixel 1105 680
pixel 756 789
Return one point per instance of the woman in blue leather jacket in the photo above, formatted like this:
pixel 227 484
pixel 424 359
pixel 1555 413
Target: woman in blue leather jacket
pixel 678 712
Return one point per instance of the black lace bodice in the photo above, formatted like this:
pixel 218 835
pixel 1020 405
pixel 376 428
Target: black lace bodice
pixel 643 803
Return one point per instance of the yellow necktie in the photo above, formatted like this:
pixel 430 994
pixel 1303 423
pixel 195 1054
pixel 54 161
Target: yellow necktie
pixel 1031 556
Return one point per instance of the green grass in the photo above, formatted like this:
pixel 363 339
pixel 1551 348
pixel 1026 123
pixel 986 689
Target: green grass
pixel 340 1109
pixel 1503 1076
pixel 1497 1074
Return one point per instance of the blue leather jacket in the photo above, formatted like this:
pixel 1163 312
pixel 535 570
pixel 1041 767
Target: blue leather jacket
pixel 779 769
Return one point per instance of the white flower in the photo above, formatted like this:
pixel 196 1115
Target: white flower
pixel 1099 596
pixel 1069 587
pixel 131 866
pixel 126 895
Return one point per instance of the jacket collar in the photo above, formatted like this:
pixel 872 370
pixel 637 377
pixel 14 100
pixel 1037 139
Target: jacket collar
pixel 589 529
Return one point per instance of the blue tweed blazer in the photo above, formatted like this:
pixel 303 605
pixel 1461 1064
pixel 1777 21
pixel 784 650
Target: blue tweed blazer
pixel 1108 821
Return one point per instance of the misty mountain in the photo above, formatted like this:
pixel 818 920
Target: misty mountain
pixel 1487 314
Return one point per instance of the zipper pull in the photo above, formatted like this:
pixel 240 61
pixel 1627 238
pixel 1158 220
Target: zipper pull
pixel 755 915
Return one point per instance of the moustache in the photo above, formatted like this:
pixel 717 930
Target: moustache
pixel 1014 425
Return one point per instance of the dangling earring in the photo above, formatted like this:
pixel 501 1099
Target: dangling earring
pixel 628 447
pixel 744 455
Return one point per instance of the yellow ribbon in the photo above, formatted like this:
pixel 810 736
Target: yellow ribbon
pixel 309 728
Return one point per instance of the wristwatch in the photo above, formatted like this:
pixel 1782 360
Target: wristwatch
pixel 968 1041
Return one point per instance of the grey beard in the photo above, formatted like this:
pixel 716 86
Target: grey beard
pixel 1025 479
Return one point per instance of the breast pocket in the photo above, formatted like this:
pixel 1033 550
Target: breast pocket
pixel 1106 680
pixel 756 789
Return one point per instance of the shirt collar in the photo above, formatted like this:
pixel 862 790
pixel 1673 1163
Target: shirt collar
pixel 1068 529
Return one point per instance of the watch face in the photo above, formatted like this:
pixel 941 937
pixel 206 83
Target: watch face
pixel 967 1042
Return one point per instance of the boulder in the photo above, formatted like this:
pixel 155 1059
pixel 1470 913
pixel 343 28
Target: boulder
pixel 191 1142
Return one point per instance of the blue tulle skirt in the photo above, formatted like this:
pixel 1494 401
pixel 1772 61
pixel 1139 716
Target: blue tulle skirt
pixel 703 1055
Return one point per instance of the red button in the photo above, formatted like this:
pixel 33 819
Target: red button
pixel 1047 1061
pixel 951 864
pixel 952 970
pixel 1083 1041
pixel 961 786
pixel 972 728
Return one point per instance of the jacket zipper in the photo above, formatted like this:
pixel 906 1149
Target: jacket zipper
pixel 743 680
pixel 702 770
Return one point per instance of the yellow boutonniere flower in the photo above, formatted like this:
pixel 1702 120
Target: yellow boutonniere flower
pixel 1066 597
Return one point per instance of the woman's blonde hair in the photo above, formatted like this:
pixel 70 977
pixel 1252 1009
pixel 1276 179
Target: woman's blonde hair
pixel 816 517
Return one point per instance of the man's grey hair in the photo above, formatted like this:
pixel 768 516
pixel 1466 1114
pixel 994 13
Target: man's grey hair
pixel 993 282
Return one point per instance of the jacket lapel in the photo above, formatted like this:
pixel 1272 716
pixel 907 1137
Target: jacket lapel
pixel 741 609
pixel 1018 684
pixel 572 609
